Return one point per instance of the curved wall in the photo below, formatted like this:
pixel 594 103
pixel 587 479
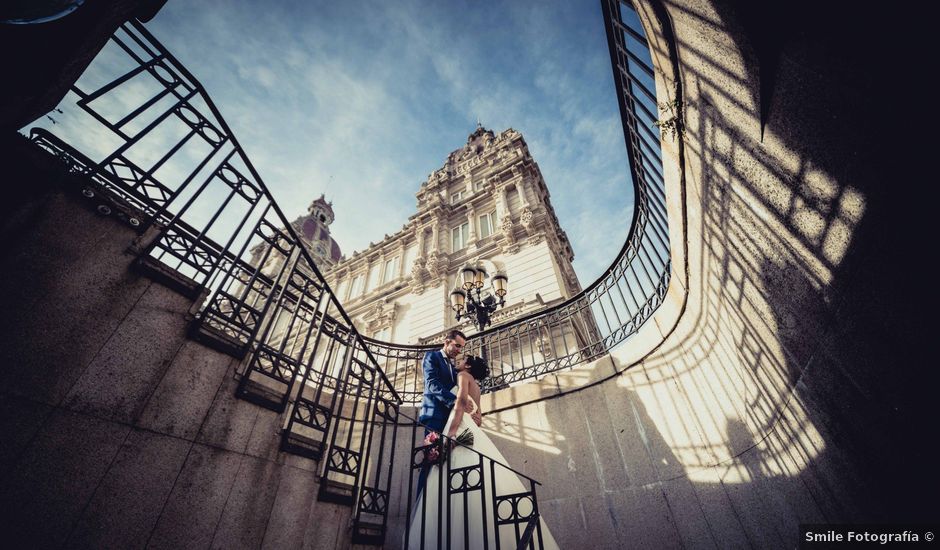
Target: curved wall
pixel 772 389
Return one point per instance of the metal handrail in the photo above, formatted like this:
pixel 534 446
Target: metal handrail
pixel 576 331
pixel 526 538
pixel 311 264
pixel 269 302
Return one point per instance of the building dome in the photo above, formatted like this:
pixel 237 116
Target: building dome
pixel 318 237
pixel 314 229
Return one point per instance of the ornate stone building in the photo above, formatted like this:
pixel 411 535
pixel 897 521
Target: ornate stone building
pixel 488 203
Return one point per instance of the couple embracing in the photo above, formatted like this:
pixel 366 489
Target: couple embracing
pixel 451 405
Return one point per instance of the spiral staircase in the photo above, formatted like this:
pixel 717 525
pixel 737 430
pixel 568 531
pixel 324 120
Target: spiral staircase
pixel 179 373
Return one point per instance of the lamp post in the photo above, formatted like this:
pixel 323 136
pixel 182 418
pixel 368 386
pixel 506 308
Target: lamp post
pixel 469 299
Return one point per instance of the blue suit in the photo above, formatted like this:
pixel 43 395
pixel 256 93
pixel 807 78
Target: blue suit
pixel 439 378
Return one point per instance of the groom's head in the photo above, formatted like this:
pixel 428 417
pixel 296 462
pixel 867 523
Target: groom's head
pixel 454 343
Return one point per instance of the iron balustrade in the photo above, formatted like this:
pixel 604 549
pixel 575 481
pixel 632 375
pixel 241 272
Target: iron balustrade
pixel 508 512
pixel 209 227
pixel 241 284
pixel 213 231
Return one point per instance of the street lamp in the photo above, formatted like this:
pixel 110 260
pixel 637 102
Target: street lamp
pixel 469 299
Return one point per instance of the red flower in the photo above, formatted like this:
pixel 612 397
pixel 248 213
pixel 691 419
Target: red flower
pixel 432 455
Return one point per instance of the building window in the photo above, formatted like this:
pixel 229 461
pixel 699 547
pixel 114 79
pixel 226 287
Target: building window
pixel 487 224
pixel 373 281
pixel 341 289
pixel 455 197
pixel 357 287
pixel 383 335
pixel 391 269
pixel 460 236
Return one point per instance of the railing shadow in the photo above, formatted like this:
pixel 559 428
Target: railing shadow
pixel 773 401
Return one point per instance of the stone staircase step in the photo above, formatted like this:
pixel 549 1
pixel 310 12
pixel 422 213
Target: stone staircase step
pixel 336 492
pixel 261 395
pixel 302 446
pixel 372 534
pixel 218 340
pixel 165 275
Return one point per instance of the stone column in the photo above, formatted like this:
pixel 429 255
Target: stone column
pixel 422 241
pixel 365 284
pixel 380 279
pixel 471 216
pixel 435 234
pixel 521 188
pixel 401 257
pixel 502 204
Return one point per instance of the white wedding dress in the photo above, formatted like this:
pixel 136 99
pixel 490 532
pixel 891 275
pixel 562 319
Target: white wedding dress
pixel 466 534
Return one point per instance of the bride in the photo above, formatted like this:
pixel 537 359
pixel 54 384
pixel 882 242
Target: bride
pixel 466 514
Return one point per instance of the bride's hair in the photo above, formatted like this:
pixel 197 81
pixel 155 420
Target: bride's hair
pixel 479 368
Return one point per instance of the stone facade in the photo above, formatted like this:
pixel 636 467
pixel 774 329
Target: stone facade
pixel 488 202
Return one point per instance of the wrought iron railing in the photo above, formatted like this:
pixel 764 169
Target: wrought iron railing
pixel 486 504
pixel 576 331
pixel 214 232
pixel 171 168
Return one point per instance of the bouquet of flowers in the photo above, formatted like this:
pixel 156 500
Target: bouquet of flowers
pixel 435 453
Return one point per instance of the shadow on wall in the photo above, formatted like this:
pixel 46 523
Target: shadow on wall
pixel 789 392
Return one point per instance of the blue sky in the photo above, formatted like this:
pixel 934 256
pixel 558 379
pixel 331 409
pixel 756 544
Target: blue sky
pixel 362 100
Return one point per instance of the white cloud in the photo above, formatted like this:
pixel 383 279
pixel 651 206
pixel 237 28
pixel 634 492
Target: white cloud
pixel 361 102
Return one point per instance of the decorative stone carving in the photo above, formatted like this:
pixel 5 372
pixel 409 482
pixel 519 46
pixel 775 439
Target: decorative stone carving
pixel 507 227
pixel 535 239
pixel 571 279
pixel 526 219
pixel 419 274
pixel 436 265
pixel 381 315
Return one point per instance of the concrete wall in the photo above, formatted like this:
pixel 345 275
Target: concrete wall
pixel 118 431
pixel 779 384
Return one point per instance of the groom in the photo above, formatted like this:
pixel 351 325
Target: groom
pixel 439 377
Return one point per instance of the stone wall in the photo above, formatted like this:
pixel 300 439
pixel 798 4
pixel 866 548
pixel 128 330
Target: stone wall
pixel 779 384
pixel 118 431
